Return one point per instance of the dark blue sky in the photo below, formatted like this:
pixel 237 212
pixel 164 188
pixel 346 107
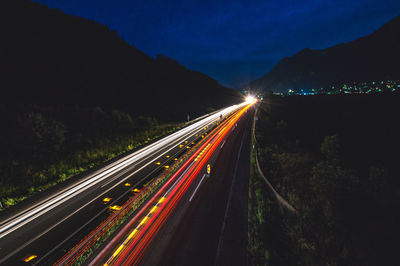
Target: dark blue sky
pixel 229 40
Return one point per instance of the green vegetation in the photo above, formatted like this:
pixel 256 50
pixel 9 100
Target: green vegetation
pixel 335 159
pixel 267 241
pixel 43 146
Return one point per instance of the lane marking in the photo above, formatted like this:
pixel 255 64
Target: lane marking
pixel 198 185
pixel 222 144
pixel 221 236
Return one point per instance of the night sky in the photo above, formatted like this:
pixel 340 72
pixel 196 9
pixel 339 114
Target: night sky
pixel 229 40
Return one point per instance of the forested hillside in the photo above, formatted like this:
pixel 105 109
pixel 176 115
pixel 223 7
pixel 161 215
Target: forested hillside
pixel 50 57
pixel 334 158
pixel 371 58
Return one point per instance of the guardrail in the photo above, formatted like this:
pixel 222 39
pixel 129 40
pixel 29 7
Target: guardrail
pixel 280 199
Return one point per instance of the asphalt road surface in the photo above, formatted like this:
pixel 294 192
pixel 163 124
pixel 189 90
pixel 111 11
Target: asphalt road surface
pixel 50 225
pixel 209 226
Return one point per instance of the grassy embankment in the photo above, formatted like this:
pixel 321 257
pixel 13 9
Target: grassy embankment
pixel 335 159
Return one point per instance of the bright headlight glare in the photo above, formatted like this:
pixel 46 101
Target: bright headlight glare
pixel 250 99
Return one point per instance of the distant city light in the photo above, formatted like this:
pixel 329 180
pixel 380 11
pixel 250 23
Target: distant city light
pixel 373 87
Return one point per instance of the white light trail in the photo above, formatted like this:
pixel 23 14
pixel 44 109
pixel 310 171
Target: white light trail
pixel 72 191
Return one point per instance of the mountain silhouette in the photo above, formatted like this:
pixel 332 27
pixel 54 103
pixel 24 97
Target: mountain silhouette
pixel 49 57
pixel 370 58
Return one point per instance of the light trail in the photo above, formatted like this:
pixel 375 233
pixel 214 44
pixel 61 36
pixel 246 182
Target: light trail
pixel 135 255
pixel 194 192
pixel 136 217
pixel 155 197
pixel 30 214
pixel 132 248
pixel 88 241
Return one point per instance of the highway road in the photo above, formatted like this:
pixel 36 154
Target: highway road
pixel 49 226
pixel 194 211
pixel 209 226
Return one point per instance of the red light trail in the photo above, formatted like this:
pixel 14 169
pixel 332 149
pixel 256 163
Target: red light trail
pixel 133 248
